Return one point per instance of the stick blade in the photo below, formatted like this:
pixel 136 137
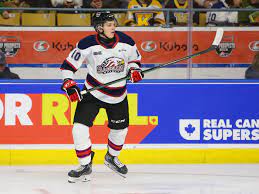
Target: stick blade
pixel 218 37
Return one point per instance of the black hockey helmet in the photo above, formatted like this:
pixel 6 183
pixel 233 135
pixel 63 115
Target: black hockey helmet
pixel 99 18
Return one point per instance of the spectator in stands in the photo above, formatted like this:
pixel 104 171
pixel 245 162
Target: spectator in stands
pixel 39 3
pixel 204 3
pixel 201 16
pixel 253 71
pixel 246 17
pixel 97 4
pixel 16 3
pixel 93 4
pixel 224 18
pixel 4 13
pixel 254 17
pixel 140 18
pixel 115 4
pixel 120 16
pixel 179 18
pixel 162 2
pixel 5 72
pixel 67 4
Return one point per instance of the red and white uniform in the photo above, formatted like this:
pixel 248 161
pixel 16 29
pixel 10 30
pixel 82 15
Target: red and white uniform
pixel 104 63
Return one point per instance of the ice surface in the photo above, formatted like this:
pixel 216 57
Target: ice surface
pixel 141 179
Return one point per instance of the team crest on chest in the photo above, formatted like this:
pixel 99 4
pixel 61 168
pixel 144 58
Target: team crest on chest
pixel 111 64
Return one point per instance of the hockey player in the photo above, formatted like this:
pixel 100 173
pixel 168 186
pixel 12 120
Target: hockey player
pixel 110 55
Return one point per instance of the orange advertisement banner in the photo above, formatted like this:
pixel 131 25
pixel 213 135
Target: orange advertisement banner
pixel 52 47
pixel 48 119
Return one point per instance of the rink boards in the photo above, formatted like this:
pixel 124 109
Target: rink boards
pixel 30 50
pixel 170 122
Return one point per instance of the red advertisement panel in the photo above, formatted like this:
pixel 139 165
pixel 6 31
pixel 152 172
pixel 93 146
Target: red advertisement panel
pixel 48 119
pixel 52 47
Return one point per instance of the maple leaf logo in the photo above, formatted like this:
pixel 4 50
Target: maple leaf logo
pixel 190 129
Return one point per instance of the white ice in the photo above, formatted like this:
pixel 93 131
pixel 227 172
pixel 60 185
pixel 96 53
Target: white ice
pixel 141 179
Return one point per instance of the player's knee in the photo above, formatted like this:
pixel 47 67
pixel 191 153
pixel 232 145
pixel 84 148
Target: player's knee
pixel 118 134
pixel 80 130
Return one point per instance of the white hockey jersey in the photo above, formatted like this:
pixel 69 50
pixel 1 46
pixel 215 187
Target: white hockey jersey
pixel 221 18
pixel 104 65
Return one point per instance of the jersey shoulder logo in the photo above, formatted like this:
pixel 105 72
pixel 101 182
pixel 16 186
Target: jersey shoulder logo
pixel 111 65
pixel 97 53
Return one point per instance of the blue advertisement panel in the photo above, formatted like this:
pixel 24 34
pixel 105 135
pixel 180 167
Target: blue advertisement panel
pixel 181 112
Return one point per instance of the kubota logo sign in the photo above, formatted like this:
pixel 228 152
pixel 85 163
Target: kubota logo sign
pixel 254 46
pixel 41 46
pixel 148 46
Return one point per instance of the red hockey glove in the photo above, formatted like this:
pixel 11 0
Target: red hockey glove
pixel 72 90
pixel 136 75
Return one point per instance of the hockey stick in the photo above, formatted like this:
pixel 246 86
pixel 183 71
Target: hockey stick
pixel 217 39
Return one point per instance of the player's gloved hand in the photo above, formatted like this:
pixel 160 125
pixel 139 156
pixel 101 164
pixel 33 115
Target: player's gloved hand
pixel 136 75
pixel 72 90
